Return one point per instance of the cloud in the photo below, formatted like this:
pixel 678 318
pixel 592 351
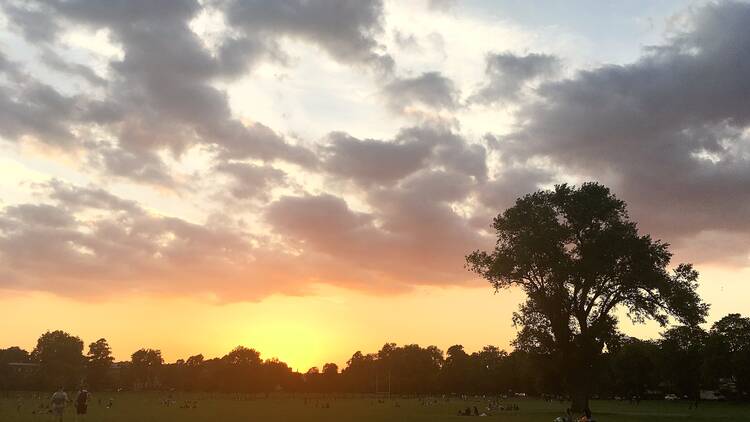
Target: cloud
pixel 139 165
pixel 377 213
pixel 56 62
pixel 429 90
pixel 514 181
pixel 86 242
pixel 31 108
pixel 410 239
pixel 668 131
pixel 34 23
pixel 373 161
pixel 79 198
pixel 507 74
pixel 251 181
pixel 159 96
pixel 346 30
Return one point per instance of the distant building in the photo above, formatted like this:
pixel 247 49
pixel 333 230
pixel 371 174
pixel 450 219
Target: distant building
pixel 23 367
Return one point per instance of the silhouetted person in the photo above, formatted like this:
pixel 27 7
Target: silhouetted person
pixel 58 402
pixel 82 404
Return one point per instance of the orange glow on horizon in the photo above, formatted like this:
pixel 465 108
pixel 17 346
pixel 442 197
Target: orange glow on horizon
pixel 311 330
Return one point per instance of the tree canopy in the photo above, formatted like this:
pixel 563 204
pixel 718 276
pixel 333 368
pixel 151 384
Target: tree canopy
pixel 60 359
pixel 579 258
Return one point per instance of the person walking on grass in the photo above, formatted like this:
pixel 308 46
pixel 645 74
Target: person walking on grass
pixel 58 402
pixel 82 404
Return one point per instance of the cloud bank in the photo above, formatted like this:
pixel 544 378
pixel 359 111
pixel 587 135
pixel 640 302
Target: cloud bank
pixel 151 116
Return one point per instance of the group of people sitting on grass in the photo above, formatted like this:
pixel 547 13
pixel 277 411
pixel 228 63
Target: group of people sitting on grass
pixel 468 412
pixel 475 412
pixel 169 401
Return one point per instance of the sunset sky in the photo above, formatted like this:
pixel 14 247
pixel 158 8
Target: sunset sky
pixel 305 176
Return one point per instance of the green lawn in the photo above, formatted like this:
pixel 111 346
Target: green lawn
pixel 147 407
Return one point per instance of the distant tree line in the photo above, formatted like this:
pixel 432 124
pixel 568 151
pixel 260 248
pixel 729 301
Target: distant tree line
pixel 683 361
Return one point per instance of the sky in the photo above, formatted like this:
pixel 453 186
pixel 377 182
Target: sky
pixel 305 177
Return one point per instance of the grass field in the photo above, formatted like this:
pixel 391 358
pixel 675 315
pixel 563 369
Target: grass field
pixel 149 407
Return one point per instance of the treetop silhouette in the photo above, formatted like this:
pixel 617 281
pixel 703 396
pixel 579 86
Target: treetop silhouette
pixel 579 258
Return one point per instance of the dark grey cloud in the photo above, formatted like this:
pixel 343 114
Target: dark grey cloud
pixel 32 20
pixel 139 165
pixel 346 30
pixel 668 131
pixel 512 182
pixel 80 198
pixel 450 150
pixel 9 68
pixel 507 74
pixel 250 180
pixel 418 239
pixel 372 161
pixel 430 89
pixel 38 216
pixel 31 108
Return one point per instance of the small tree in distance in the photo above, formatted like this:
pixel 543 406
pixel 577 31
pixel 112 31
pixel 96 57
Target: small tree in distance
pixel 99 361
pixel 579 258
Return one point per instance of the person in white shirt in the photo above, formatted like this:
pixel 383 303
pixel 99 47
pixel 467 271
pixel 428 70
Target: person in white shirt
pixel 59 400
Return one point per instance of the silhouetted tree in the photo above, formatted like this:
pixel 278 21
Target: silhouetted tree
pixel 145 365
pixel 682 358
pixel 241 370
pixel 60 359
pixel 728 354
pixel 330 377
pixel 278 376
pixel 98 363
pixel 578 257
pixel 360 373
pixel 195 372
pixel 456 370
pixel 635 367
pixel 11 379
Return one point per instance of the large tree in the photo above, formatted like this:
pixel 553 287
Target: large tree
pixel 145 365
pixel 579 258
pixel 60 359
pixel 728 354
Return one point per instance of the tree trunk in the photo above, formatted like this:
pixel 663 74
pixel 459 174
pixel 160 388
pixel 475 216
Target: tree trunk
pixel 579 381
pixel 579 398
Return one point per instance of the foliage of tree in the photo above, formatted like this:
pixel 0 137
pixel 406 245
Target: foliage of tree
pixel 99 363
pixel 11 378
pixel 60 359
pixel 578 258
pixel 684 360
pixel 144 366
